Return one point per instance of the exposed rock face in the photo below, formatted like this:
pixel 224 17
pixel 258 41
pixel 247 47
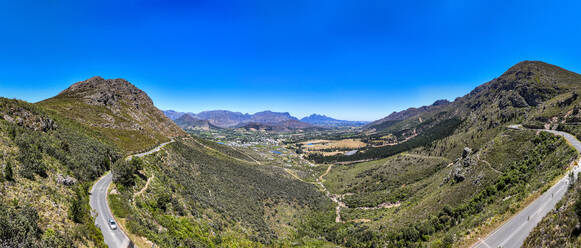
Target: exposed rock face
pixel 461 166
pixel 112 93
pixel 466 152
pixel 526 84
pixel 27 119
pixel 127 107
pixel 65 180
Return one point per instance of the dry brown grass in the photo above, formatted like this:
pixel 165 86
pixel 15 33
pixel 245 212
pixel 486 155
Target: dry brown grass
pixel 333 144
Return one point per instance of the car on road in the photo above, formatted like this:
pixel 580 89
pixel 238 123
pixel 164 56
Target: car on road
pixel 112 224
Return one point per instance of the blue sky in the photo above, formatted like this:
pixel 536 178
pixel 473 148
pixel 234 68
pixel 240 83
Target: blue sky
pixel 356 60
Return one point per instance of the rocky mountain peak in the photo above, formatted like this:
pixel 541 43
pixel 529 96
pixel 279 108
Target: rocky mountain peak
pixel 108 92
pixel 116 104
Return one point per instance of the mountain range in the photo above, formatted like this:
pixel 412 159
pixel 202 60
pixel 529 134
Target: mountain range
pixel 52 152
pixel 404 114
pixel 267 120
pixel 456 172
pixel 325 121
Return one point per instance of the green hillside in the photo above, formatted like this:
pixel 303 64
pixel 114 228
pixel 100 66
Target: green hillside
pixel 203 196
pixel 454 173
pixel 405 201
pixel 534 93
pixel 48 163
pixel 443 201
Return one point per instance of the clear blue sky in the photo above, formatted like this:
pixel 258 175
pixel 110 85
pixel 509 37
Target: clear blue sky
pixel 356 60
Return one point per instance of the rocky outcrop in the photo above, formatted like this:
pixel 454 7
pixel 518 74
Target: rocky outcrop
pixel 118 104
pixel 27 119
pixel 461 167
pixel 66 180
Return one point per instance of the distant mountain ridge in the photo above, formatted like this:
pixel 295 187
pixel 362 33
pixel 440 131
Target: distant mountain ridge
pixel 283 126
pixel 230 119
pixel 325 121
pixel 188 121
pixel 405 114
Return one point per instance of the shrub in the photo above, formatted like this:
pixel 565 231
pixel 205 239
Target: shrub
pixel 19 227
pixel 124 171
pixel 163 200
pixel 76 210
pixel 578 207
pixel 8 173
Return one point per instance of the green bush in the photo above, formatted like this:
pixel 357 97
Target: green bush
pixel 8 173
pixel 124 171
pixel 76 210
pixel 19 228
pixel 119 206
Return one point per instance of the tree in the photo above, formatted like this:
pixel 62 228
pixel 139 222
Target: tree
pixel 137 164
pixel 163 200
pixel 8 173
pixel 124 171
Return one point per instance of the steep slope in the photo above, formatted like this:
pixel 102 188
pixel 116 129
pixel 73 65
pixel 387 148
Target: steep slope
pixel 531 92
pixel 47 165
pixel 404 114
pixel 325 121
pixel 116 109
pixel 52 151
pixel 494 169
pixel 523 87
pixel 203 195
pixel 200 193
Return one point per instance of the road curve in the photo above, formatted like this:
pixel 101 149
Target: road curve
pixel 156 149
pixel 514 232
pixel 100 206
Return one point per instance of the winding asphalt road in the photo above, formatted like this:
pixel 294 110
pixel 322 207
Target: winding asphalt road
pixel 98 201
pixel 514 232
pixel 99 204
